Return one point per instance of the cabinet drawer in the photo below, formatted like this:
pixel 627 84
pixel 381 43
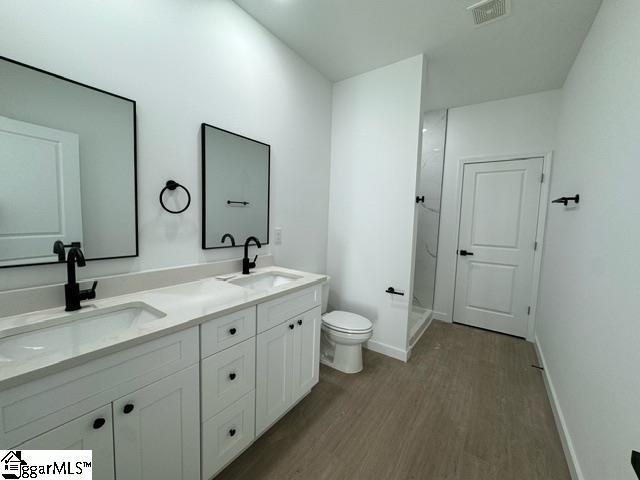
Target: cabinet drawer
pixel 40 405
pixel 227 331
pixel 226 435
pixel 227 376
pixel 278 310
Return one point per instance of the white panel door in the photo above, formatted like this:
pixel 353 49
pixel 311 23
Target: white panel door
pixel 306 352
pixel 274 372
pixel 157 430
pixel 93 431
pixel 498 223
pixel 39 191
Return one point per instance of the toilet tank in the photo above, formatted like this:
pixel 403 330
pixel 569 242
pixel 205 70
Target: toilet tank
pixel 325 295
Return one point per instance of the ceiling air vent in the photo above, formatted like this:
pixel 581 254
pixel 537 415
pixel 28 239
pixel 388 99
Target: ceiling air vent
pixel 489 10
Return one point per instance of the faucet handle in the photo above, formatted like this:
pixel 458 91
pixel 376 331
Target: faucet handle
pixel 91 294
pixel 254 259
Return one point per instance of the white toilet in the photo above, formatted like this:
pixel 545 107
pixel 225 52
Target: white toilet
pixel 343 334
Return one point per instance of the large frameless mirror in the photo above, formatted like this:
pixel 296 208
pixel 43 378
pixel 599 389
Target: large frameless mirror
pixel 67 168
pixel 235 172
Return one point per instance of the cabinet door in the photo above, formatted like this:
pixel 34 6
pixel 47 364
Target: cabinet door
pixel 274 356
pixel 157 430
pixel 306 352
pixel 93 431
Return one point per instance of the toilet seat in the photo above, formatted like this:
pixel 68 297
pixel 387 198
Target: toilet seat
pixel 346 322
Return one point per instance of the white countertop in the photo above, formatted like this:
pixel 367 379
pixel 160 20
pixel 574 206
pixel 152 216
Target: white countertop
pixel 184 305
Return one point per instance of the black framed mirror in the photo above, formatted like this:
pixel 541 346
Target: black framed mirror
pixel 68 168
pixel 235 188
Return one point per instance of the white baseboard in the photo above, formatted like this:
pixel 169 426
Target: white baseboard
pixel 443 317
pixel 561 424
pixel 387 350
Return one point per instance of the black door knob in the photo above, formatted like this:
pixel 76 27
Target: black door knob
pixel 291 326
pixel 98 423
pixel 300 322
pixel 128 408
pixel 232 432
pixel 464 253
pixel 232 331
pixel 232 376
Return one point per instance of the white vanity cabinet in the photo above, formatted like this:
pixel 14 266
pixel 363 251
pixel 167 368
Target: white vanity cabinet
pixel 287 354
pixel 248 382
pixel 227 372
pixel 180 406
pixel 137 409
pixel 157 430
pixel 93 431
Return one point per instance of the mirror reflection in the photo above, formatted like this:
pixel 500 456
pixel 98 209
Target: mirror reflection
pixel 67 168
pixel 235 170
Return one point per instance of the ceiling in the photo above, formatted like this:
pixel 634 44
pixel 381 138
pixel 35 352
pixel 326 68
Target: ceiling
pixel 529 51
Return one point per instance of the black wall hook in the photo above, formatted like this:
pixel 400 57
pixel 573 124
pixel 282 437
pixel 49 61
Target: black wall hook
pixel 172 185
pixel 565 200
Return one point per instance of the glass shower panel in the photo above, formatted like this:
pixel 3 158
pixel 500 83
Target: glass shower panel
pixel 429 185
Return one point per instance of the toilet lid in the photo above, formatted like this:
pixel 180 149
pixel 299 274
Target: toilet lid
pixel 346 321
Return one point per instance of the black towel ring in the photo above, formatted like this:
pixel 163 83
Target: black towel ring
pixel 172 185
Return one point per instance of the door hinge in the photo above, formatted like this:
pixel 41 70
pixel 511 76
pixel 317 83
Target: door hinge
pixel 542 178
pixel 528 310
pixel 535 246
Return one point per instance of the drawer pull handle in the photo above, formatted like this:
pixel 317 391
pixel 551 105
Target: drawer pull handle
pixel 98 423
pixel 128 408
pixel 300 322
pixel 232 331
pixel 232 376
pixel 291 325
pixel 232 432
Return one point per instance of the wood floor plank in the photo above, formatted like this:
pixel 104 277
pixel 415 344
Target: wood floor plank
pixel 467 406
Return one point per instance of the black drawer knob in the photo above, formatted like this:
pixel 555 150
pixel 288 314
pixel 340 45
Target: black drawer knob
pixel 291 326
pixel 98 423
pixel 300 322
pixel 232 432
pixel 232 331
pixel 128 408
pixel 232 376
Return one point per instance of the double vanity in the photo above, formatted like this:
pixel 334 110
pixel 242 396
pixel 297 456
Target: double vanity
pixel 171 383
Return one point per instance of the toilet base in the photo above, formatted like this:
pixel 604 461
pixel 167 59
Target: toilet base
pixel 345 357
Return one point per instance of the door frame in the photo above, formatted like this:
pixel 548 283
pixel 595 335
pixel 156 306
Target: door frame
pixel 543 204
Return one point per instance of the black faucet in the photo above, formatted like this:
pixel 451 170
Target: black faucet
pixel 230 237
pixel 246 264
pixel 72 293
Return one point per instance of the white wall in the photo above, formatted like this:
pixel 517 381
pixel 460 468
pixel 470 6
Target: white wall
pixel 589 308
pixel 187 62
pixel 374 161
pixel 519 125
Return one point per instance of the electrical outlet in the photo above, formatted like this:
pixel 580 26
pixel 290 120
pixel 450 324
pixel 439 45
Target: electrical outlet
pixel 277 233
pixel 635 462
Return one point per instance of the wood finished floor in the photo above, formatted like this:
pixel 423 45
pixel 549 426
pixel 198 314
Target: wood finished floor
pixel 468 406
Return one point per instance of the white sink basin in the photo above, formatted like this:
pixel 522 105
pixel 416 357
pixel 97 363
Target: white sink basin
pixel 77 333
pixel 262 282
